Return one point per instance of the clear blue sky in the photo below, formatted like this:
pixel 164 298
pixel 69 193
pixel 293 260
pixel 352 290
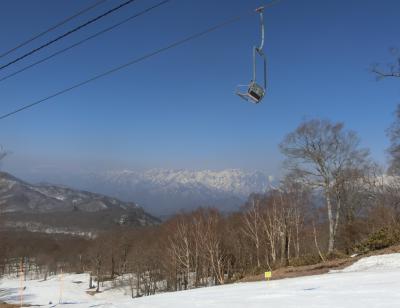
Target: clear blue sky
pixel 178 109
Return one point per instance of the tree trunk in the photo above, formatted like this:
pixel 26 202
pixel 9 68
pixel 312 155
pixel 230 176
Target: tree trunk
pixel 137 284
pixel 112 266
pixel 331 243
pixel 258 252
pixel 287 248
pixel 316 243
pixel 98 284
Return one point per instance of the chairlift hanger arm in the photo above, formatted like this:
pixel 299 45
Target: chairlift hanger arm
pixel 260 10
pixel 255 92
pixel 259 50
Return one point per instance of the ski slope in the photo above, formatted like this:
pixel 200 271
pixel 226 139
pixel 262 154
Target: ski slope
pixel 370 282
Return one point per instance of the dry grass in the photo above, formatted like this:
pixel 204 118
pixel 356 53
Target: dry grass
pixel 4 305
pixel 91 292
pixel 319 268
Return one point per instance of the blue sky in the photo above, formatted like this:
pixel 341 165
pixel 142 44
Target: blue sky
pixel 178 109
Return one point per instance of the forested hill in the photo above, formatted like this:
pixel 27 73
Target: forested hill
pixel 53 208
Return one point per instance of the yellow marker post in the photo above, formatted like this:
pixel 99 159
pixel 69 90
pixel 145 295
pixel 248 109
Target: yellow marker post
pixel 268 275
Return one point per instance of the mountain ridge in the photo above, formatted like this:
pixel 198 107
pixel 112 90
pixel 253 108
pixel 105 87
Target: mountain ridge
pixel 169 190
pixel 50 207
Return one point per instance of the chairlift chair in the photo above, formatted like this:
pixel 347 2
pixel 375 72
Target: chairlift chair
pixel 256 92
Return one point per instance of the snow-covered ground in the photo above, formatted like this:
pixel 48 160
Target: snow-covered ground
pixel 370 282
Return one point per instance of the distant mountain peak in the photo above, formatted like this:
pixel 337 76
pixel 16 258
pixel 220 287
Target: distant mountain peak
pixel 169 190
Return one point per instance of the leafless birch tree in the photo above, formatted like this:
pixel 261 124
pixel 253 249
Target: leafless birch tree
pixel 319 153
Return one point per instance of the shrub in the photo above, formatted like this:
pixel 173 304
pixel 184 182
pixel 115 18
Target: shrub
pixel 308 259
pixel 380 239
pixel 334 255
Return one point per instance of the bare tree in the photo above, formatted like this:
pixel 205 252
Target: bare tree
pixel 392 68
pixel 252 222
pixel 212 243
pixel 180 245
pixel 97 253
pixel 296 202
pixel 283 222
pixel 393 133
pixel 270 224
pixel 319 153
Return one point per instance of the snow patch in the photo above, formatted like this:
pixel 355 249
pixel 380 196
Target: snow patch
pixel 364 284
pixel 375 263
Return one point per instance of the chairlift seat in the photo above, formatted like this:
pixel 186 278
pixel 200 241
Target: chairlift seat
pixel 254 94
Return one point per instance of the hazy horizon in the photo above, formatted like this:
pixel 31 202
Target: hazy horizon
pixel 158 114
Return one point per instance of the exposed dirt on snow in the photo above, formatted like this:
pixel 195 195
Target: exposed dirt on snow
pixel 320 268
pixel 5 305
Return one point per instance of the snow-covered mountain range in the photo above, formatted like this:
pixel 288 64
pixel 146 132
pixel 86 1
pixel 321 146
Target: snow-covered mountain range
pixel 164 191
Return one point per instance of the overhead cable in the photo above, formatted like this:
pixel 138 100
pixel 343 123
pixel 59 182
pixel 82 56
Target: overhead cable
pixel 66 34
pixel 35 37
pixel 84 40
